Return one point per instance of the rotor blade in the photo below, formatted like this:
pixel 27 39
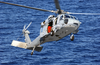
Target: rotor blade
pixel 19 36
pixel 57 6
pixel 24 27
pixel 84 13
pixel 28 25
pixel 28 7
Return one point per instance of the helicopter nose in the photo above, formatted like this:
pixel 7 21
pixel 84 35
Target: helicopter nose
pixel 77 23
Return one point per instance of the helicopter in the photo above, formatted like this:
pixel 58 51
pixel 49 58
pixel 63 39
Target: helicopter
pixel 53 28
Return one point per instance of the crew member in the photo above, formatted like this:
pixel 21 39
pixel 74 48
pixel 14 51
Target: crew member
pixel 49 28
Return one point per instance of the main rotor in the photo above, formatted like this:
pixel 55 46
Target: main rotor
pixel 59 11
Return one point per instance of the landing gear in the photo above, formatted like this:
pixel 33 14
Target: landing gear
pixel 72 37
pixel 32 51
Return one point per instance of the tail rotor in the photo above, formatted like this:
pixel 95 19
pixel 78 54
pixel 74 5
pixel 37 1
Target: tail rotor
pixel 25 30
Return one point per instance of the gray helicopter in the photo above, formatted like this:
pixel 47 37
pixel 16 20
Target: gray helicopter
pixel 53 28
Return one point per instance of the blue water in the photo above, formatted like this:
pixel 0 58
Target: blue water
pixel 84 50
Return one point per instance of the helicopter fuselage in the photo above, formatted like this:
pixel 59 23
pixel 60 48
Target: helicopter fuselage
pixel 62 26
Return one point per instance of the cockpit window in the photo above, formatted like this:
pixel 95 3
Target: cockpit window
pixel 66 21
pixel 61 17
pixel 67 16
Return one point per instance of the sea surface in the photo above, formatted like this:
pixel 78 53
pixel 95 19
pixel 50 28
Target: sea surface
pixel 84 50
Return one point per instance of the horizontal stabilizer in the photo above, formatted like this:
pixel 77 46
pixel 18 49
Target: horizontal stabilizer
pixel 38 49
pixel 19 44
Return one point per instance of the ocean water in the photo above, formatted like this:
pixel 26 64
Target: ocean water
pixel 84 50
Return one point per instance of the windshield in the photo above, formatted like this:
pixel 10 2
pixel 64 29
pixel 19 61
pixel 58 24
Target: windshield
pixel 69 16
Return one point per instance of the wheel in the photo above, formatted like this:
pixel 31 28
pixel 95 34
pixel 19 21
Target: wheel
pixel 31 53
pixel 72 37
